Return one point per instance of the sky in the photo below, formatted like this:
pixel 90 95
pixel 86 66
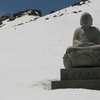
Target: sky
pixel 46 6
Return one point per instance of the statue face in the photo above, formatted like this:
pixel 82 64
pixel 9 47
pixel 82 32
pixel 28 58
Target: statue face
pixel 86 19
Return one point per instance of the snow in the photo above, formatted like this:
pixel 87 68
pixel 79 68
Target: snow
pixel 31 55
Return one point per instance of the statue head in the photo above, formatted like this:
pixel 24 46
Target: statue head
pixel 86 19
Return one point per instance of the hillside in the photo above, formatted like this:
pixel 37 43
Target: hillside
pixel 31 54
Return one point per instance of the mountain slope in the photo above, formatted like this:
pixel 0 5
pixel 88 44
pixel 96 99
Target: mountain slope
pixel 31 55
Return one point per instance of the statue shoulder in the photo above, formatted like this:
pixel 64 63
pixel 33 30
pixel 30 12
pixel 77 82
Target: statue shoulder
pixel 95 28
pixel 78 30
pixel 76 33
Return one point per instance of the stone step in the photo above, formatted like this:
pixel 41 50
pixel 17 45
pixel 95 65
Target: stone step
pixel 86 84
pixel 80 73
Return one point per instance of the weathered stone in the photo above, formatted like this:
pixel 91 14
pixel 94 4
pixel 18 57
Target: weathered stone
pixel 85 51
pixel 86 84
pixel 82 59
pixel 80 73
pixel 87 78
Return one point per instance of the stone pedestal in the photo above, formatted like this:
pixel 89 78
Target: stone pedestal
pixel 82 59
pixel 87 78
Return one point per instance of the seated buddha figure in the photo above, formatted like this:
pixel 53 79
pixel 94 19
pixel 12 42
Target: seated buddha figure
pixel 86 41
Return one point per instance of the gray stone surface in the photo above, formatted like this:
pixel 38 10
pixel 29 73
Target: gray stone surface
pixel 86 84
pixel 87 78
pixel 80 73
pixel 86 45
pixel 82 59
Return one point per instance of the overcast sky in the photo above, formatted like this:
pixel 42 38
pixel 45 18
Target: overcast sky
pixel 46 6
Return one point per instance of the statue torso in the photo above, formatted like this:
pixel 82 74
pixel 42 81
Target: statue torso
pixel 88 35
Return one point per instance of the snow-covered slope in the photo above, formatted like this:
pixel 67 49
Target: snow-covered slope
pixel 31 55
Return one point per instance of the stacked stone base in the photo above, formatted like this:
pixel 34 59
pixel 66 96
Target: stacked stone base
pixel 87 78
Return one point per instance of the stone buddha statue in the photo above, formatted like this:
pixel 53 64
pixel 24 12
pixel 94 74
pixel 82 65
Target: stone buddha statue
pixel 85 51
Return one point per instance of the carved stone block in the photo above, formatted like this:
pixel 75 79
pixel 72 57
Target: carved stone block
pixel 87 78
pixel 86 84
pixel 80 73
